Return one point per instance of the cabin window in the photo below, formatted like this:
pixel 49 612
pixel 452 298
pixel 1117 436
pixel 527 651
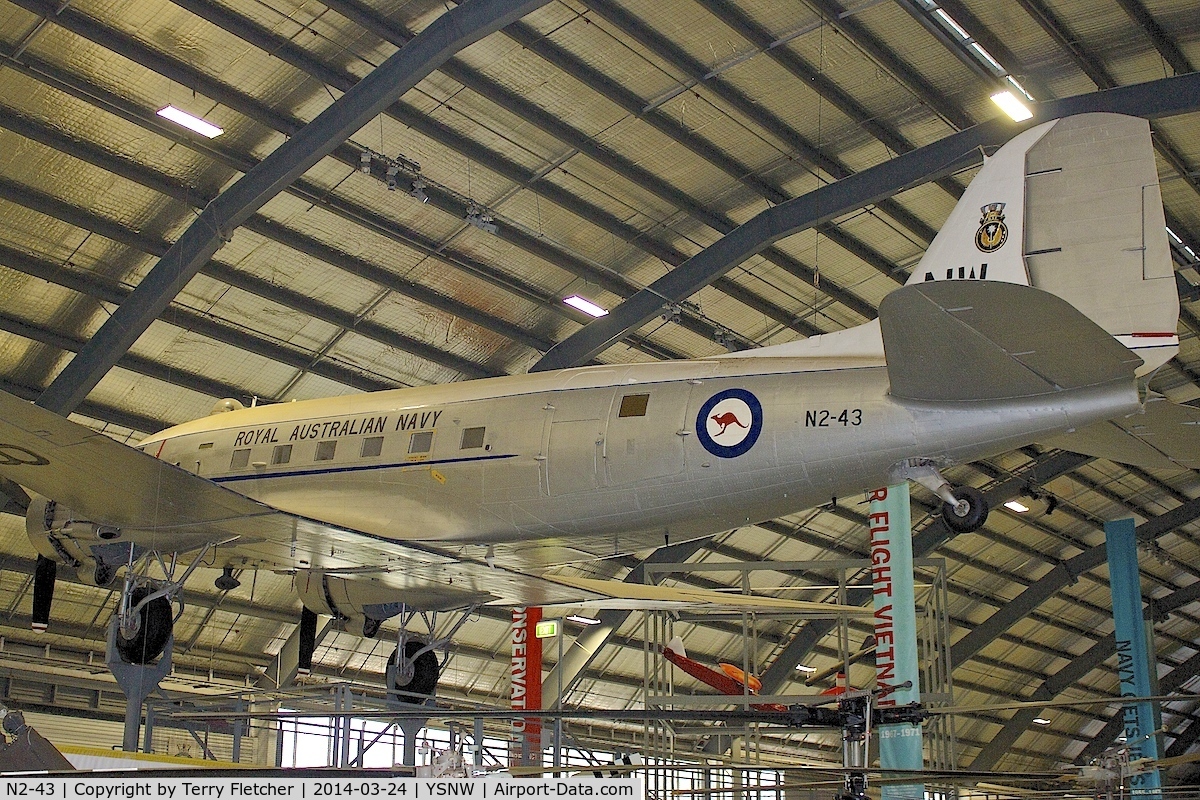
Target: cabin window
pixel 472 438
pixel 240 460
pixel 372 446
pixel 206 446
pixel 282 454
pixel 325 451
pixel 421 442
pixel 634 405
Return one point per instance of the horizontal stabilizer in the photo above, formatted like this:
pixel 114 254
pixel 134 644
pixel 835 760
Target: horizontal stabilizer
pixel 956 341
pixel 1165 435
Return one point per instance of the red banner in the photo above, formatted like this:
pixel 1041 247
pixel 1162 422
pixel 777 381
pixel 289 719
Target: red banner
pixel 526 672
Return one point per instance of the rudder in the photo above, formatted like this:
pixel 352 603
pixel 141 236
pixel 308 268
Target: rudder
pixel 1072 207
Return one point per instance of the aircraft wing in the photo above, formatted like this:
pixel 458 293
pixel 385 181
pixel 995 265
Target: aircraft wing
pixel 161 506
pixel 643 596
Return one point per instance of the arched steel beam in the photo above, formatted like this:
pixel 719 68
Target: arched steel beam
pixel 782 669
pixel 444 200
pixel 311 193
pixel 701 75
pixel 103 413
pixel 582 652
pixel 1086 662
pixel 86 284
pixel 451 32
pixel 1044 470
pixel 1065 573
pixel 1170 682
pixel 1154 99
pixel 533 180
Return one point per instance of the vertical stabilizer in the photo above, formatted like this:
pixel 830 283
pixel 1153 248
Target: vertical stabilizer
pixel 1073 208
pixel 981 240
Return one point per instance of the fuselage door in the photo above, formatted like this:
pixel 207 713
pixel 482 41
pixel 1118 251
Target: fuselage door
pixel 646 433
pixel 576 442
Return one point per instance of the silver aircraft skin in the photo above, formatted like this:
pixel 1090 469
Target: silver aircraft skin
pixel 535 457
pixel 1035 315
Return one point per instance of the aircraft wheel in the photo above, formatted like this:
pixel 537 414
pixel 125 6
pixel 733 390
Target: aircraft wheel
pixel 970 519
pixel 425 671
pixel 148 643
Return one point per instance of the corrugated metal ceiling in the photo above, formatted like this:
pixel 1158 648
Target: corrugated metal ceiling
pixel 606 160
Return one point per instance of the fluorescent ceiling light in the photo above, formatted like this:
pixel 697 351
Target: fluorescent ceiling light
pixel 1013 505
pixel 805 669
pixel 202 127
pixel 582 620
pixel 1042 721
pixel 1012 106
pixel 586 306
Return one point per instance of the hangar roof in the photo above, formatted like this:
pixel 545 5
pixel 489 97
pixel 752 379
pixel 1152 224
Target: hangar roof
pixel 607 141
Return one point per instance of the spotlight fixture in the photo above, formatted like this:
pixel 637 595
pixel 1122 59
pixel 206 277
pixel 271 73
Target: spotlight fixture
pixel 1009 103
pixel 392 171
pixel 586 306
pixel 364 162
pixel 1017 506
pixel 672 313
pixel 191 122
pixel 477 217
pixel 418 190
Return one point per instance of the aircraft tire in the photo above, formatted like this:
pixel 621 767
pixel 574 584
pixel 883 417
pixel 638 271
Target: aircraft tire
pixel 976 513
pixel 145 646
pixel 425 674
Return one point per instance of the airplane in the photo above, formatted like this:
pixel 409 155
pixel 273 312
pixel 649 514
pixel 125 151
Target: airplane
pixel 1037 314
pixel 736 682
pixel 731 680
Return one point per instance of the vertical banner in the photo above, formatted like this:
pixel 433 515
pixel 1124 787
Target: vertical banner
pixel 1133 655
pixel 890 523
pixel 526 675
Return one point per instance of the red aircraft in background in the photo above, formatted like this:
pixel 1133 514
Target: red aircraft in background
pixel 733 680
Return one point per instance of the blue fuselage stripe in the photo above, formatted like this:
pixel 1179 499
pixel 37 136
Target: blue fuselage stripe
pixel 355 468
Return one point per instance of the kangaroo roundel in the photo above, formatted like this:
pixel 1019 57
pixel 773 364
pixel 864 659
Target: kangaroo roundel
pixel 729 423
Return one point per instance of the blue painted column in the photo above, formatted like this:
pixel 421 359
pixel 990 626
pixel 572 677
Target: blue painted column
pixel 1133 655
pixel 890 524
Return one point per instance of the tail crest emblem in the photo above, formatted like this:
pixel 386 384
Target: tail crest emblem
pixel 992 233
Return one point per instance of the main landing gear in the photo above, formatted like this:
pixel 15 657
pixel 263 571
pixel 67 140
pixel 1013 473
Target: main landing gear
pixel 964 508
pixel 140 636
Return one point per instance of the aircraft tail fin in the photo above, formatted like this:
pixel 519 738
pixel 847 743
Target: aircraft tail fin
pixel 1071 207
pixel 962 341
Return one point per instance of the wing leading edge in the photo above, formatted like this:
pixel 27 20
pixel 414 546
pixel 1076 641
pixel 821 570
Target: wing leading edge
pixel 161 506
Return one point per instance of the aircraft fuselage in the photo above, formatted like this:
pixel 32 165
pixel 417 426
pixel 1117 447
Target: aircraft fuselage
pixel 635 452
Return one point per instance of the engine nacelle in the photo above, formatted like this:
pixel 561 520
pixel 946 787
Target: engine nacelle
pixel 56 534
pixel 354 597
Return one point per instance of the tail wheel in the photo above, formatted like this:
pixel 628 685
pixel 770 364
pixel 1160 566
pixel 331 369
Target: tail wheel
pixel 424 676
pixel 970 517
pixel 154 629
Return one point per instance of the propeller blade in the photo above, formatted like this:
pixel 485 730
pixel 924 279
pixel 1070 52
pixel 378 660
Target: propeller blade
pixel 43 592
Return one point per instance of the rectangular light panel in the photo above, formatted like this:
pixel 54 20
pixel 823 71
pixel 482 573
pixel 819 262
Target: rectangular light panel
pixel 200 126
